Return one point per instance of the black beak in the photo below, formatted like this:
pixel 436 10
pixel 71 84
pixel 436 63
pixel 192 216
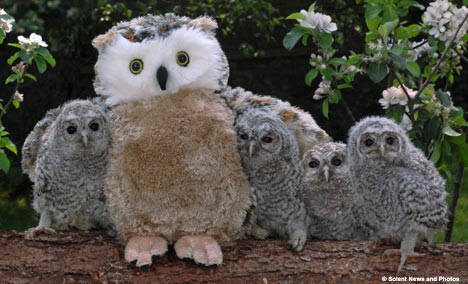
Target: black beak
pixel 162 75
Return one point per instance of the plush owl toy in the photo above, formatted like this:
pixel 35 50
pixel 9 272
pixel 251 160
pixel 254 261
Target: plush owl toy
pixel 174 173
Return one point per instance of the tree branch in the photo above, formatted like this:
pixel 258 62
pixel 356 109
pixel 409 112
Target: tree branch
pixel 95 258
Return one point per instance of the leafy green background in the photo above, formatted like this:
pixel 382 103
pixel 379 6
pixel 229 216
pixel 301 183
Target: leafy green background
pixel 251 34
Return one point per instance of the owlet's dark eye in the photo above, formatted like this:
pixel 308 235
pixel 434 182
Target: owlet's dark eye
pixel 182 58
pixel 336 162
pixel 94 126
pixel 136 66
pixel 314 164
pixel 267 139
pixel 244 136
pixel 369 142
pixel 390 140
pixel 71 129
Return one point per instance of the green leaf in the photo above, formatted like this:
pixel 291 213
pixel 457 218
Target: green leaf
pixel 443 97
pixel 401 33
pixel 397 49
pixel 43 51
pixel 16 45
pixel 391 25
pixel 413 30
pixel 325 40
pixel 354 59
pixel 31 76
pixel 400 61
pixel 432 129
pixel 4 162
pixel 310 76
pixel 450 132
pixel 435 156
pixel 334 97
pixel 292 37
pixel 25 56
pixel 372 24
pixel 41 64
pixel 325 107
pixel 16 104
pixel 383 31
pixel 50 60
pixel 390 14
pixel 327 73
pixel 372 11
pixel 10 146
pixel 413 68
pixel 345 86
pixel 337 61
pixel 13 58
pixel 295 16
pixel 377 71
pixel 11 78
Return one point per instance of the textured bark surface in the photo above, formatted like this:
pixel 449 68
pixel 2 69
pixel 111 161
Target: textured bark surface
pixel 95 258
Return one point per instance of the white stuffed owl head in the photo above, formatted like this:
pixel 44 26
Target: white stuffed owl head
pixel 158 55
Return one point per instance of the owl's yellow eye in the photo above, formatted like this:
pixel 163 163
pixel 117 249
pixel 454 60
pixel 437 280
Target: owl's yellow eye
pixel 136 66
pixel 182 58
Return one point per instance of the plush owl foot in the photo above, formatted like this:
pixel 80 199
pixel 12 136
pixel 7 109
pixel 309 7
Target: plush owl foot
pixel 202 249
pixel 404 256
pixel 32 232
pixel 142 249
pixel 297 240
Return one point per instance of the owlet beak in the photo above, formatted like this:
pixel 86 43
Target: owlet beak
pixel 326 173
pixel 251 149
pixel 84 137
pixel 382 150
pixel 162 77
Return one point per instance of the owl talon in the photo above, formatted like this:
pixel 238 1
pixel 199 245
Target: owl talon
pixel 142 250
pixel 297 240
pixel 202 249
pixel 31 232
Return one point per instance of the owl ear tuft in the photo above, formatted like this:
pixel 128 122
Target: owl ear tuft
pixel 204 22
pixel 101 41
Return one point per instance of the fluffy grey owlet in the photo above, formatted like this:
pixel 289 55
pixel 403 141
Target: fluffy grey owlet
pixel 403 200
pixel 66 158
pixel 328 194
pixel 270 156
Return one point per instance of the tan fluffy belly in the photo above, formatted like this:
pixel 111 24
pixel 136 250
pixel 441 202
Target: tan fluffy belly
pixel 174 169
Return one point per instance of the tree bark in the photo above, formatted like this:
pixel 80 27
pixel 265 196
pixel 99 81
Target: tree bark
pixel 95 258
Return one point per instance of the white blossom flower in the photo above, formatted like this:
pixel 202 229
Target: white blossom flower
pixel 418 50
pixel 6 25
pixel 406 123
pixel 444 18
pixel 396 96
pixel 324 88
pixel 317 97
pixel 32 42
pixel 18 96
pixel 323 66
pixel 317 21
